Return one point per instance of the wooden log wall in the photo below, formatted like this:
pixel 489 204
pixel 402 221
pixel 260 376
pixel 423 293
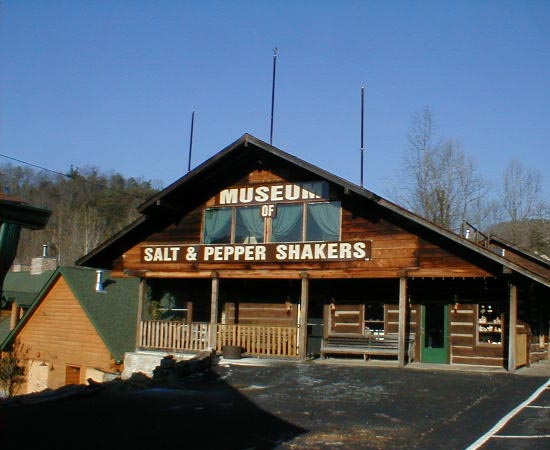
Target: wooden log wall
pixel 346 319
pixel 538 348
pixel 391 318
pixel 464 346
pixel 263 314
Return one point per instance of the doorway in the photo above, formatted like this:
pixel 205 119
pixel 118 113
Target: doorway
pixel 435 336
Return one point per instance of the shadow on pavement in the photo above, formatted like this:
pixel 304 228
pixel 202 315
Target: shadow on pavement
pixel 199 411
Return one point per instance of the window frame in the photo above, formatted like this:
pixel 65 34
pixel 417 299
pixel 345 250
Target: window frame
pixel 268 222
pixel 493 323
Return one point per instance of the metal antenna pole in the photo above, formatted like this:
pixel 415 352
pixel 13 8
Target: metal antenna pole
pixel 191 141
pixel 273 94
pixel 362 121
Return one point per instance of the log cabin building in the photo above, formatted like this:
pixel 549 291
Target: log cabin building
pixel 78 326
pixel 258 249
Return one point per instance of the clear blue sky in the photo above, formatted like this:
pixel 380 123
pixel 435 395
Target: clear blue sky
pixel 113 84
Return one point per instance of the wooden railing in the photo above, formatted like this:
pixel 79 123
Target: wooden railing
pixel 173 336
pixel 522 350
pixel 259 340
pixel 255 340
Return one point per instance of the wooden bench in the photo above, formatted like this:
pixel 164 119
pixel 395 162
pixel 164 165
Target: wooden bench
pixel 366 345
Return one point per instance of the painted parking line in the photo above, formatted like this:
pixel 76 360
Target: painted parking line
pixel 492 433
pixel 511 436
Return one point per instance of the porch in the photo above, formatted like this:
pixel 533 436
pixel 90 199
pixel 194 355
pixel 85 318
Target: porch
pixel 255 340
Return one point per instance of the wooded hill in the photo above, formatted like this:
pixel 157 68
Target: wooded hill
pixel 87 207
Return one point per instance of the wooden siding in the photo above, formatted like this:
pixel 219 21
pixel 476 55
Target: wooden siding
pixel 60 334
pixel 463 344
pixel 346 319
pixel 391 318
pixel 263 314
pixel 395 247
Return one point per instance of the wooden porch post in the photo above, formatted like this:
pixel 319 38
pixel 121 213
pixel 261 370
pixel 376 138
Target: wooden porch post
pixel 302 326
pixel 401 343
pixel 15 314
pixel 512 328
pixel 214 310
pixel 141 299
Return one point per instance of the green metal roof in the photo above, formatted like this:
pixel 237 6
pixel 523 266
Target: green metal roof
pixel 113 312
pixel 22 287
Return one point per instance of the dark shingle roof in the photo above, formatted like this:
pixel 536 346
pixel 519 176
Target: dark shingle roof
pixel 113 312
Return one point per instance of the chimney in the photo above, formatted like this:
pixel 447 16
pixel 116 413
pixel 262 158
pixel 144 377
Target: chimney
pixel 43 263
pixel 99 281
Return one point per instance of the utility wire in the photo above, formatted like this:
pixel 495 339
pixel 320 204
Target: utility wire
pixel 68 175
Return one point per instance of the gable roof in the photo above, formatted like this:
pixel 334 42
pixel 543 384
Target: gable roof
pixel 22 287
pixel 228 166
pixel 112 312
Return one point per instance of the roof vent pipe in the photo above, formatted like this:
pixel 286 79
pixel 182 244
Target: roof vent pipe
pixel 45 250
pixel 99 281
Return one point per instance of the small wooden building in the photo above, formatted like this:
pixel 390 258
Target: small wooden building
pixel 79 326
pixel 259 249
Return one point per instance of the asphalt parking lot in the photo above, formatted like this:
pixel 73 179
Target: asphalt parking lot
pixel 259 404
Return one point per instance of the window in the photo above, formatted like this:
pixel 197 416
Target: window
pixel 249 225
pixel 217 225
pixel 323 222
pixel 374 318
pixel 489 324
pixel 293 222
pixel 288 224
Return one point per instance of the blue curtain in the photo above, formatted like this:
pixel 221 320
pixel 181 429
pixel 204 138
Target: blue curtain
pixel 323 221
pixel 217 226
pixel 250 225
pixel 287 225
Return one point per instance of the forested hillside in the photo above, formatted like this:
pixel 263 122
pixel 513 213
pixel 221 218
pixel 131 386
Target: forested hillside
pixel 87 207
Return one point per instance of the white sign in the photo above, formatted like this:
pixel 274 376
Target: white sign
pixel 270 252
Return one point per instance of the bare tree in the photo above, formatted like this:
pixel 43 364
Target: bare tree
pixel 438 180
pixel 521 193
pixel 524 212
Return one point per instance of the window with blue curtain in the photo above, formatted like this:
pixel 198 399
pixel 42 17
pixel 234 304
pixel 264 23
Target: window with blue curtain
pixel 217 226
pixel 288 224
pixel 323 222
pixel 249 225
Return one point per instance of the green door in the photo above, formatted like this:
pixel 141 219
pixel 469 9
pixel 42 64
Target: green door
pixel 435 339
